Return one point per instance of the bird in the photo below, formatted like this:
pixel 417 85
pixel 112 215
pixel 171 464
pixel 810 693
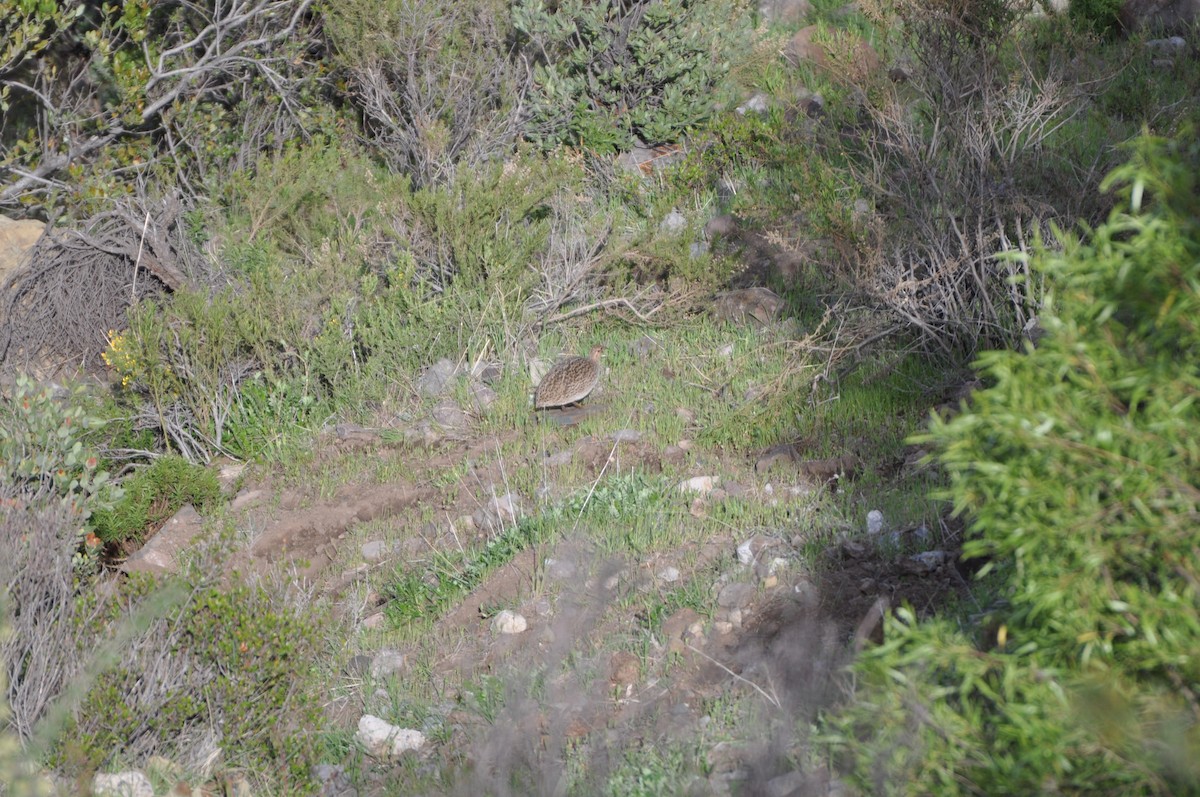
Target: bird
pixel 569 381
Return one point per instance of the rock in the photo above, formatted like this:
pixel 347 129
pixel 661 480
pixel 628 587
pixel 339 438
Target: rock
pixel 16 239
pixel 722 226
pixel 745 552
pixel 451 417
pixel 490 374
pixel 230 472
pixel 375 550
pixel 699 484
pixel 669 575
pixel 784 12
pixel 735 595
pixel 626 436
pixel 726 350
pixel 358 666
pixel 384 740
pixel 697 249
pixel 874 521
pixel 1165 16
pixel 758 304
pixel 437 379
pixel 685 415
pixel 928 561
pixel 509 622
pixel 643 160
pixel 483 396
pixel 333 781
pixel 388 662
pixel 756 104
pixel 498 513
pixel 674 223
pixel 160 555
pixel 122 784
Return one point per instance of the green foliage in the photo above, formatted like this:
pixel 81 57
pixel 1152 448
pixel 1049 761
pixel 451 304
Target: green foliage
pixel 155 493
pixel 244 667
pixel 609 72
pixel 1099 17
pixel 45 450
pixel 1080 471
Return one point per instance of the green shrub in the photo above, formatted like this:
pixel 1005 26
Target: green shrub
pixel 1100 17
pixel 153 494
pixel 609 72
pixel 1080 472
pixel 230 662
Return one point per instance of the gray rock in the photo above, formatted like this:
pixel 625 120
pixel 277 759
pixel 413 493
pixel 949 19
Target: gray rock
pixel 388 662
pixel 483 396
pixel 626 436
pixel 721 226
pixel 498 513
pixel 131 783
pixel 735 595
pixel 784 12
pixel 438 378
pixel 490 374
pixel 674 223
pixel 451 417
pixel 758 304
pixel 333 780
pixel 669 575
pixel 375 550
pixel 874 522
pixel 697 249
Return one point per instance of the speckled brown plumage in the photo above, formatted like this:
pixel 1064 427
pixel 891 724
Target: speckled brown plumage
pixel 569 381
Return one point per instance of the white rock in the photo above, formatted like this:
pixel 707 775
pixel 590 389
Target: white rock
pixel 874 521
pixel 699 484
pixel 385 740
pixel 745 552
pixel 726 350
pixel 509 622
pixel 777 564
pixel 756 104
pixel 669 574
pixel 122 784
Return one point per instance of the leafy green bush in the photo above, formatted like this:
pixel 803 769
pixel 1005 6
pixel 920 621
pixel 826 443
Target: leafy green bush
pixel 1080 472
pixel 1101 17
pixel 229 662
pixel 612 71
pixel 153 494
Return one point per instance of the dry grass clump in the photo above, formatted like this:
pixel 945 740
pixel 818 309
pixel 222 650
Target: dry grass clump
pixel 80 281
